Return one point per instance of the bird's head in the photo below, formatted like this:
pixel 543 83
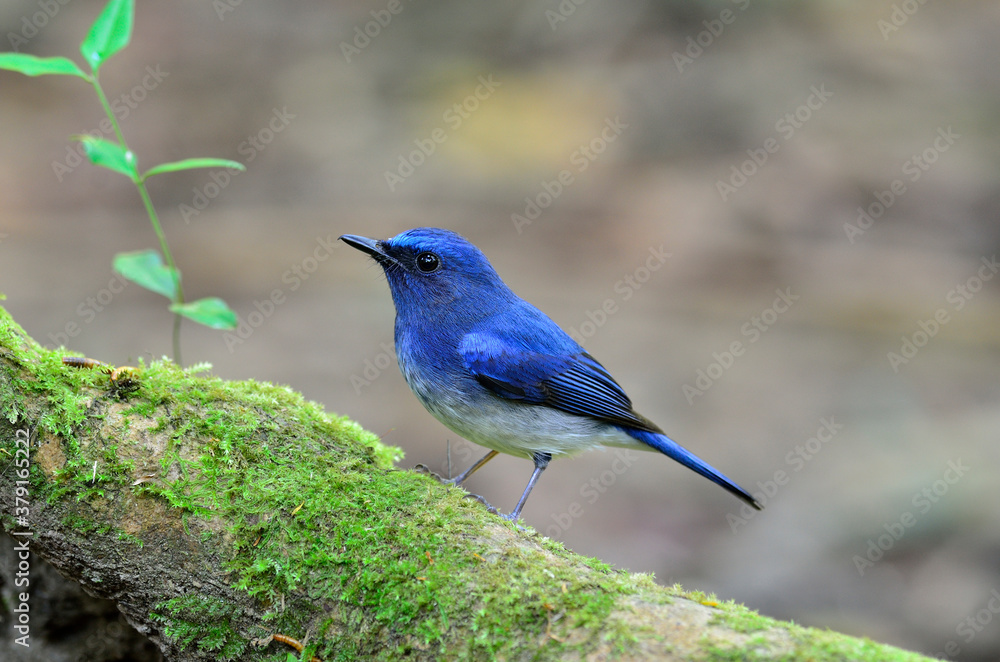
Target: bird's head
pixel 433 271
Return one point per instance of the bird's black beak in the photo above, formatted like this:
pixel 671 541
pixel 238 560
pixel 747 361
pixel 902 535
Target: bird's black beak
pixel 363 244
pixel 371 246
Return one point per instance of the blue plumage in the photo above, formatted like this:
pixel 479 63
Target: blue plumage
pixel 497 370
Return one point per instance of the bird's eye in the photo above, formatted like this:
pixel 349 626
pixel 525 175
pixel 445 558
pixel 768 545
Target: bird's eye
pixel 428 262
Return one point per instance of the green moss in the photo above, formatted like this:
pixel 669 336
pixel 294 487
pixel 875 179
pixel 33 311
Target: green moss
pixel 84 526
pixel 811 644
pixel 321 529
pixel 128 537
pixel 826 646
pixel 203 623
pixel 306 493
pixel 738 618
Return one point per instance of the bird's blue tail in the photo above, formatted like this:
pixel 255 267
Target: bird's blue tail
pixel 672 449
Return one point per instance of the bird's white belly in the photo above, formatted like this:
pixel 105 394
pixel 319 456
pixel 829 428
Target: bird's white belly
pixel 508 426
pixel 523 429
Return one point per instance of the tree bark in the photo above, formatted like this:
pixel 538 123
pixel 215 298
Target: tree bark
pixel 216 514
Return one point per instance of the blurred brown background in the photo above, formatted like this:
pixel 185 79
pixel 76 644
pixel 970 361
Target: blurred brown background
pixel 885 525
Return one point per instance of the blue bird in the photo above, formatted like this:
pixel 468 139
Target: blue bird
pixel 499 372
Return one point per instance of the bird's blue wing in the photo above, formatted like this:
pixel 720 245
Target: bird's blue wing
pixel 575 383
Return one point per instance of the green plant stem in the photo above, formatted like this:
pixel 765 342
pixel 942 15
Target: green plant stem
pixel 107 109
pixel 154 219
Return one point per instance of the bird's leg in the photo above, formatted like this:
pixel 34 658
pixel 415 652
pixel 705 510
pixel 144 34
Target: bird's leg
pixel 459 479
pixel 541 461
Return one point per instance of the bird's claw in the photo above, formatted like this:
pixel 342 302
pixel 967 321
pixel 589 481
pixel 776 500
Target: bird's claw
pixel 424 469
pixel 508 516
pixel 483 501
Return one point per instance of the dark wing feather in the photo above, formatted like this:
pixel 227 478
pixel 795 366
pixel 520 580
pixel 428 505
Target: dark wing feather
pixel 576 383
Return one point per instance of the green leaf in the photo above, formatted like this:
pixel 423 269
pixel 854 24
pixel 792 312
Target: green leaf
pixel 29 65
pixel 211 311
pixel 109 33
pixel 146 268
pixel 191 164
pixel 109 155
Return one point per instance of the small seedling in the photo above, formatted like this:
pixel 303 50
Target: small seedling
pixel 109 34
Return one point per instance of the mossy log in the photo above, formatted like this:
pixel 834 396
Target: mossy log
pixel 216 514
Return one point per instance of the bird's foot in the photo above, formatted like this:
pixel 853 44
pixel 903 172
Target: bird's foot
pixel 483 501
pixel 424 469
pixel 510 517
